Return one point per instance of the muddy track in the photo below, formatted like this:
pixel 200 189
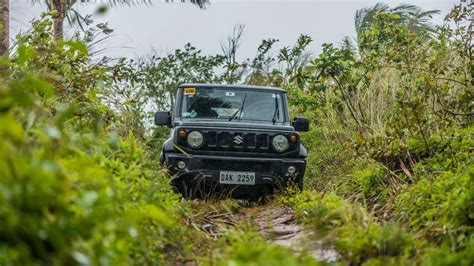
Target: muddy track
pixel 278 224
pixel 275 222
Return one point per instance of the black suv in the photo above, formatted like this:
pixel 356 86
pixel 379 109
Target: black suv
pixel 232 139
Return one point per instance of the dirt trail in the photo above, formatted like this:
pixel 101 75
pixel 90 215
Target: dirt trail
pixel 278 224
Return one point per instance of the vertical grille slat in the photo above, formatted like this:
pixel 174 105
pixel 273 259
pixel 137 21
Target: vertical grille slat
pixel 250 140
pixel 262 141
pixel 224 139
pixel 212 139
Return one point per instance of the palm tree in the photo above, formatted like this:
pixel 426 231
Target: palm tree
pixel 4 21
pixel 347 44
pixel 62 7
pixel 413 16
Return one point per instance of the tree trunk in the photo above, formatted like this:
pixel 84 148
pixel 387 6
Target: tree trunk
pixel 61 7
pixel 58 20
pixel 4 31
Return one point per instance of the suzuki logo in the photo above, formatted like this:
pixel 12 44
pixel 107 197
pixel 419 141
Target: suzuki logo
pixel 238 140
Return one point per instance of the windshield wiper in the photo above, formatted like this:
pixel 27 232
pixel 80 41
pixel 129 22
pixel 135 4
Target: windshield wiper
pixel 240 110
pixel 277 110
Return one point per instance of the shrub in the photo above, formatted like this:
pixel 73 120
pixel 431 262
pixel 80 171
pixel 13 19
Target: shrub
pixel 440 202
pixel 445 256
pixel 327 213
pixel 359 243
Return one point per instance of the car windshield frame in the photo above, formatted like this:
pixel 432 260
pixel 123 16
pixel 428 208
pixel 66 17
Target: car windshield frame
pixel 242 92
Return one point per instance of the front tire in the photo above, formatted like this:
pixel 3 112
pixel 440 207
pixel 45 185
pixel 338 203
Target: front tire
pixel 300 184
pixel 182 187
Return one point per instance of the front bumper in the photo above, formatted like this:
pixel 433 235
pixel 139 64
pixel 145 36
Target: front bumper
pixel 201 173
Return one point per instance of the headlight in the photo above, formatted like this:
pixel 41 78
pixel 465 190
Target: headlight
pixel 280 143
pixel 195 139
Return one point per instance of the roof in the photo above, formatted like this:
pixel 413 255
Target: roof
pixel 230 86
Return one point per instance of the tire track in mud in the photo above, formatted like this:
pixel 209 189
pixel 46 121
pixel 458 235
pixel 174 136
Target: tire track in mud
pixel 278 224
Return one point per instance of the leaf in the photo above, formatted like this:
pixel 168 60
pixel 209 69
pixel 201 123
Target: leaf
pixel 101 10
pixel 24 54
pixel 10 128
pixel 39 85
pixel 76 46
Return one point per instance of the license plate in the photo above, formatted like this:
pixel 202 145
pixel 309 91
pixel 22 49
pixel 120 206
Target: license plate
pixel 237 178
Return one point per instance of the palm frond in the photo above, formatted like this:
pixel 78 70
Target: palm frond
pixel 364 17
pixel 405 9
pixel 413 16
pixel 199 3
pixel 347 44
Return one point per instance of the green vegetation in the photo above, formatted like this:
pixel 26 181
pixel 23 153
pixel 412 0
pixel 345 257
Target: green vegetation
pixel 390 177
pixel 76 186
pixel 393 143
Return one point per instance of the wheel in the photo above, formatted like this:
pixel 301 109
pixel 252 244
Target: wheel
pixel 264 195
pixel 162 159
pixel 182 187
pixel 300 184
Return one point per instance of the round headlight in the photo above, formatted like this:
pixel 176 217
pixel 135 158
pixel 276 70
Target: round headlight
pixel 280 143
pixel 195 139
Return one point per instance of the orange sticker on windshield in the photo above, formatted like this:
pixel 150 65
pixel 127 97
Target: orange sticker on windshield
pixel 189 91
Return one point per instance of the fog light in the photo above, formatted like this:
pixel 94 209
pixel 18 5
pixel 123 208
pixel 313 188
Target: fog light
pixel 291 169
pixel 181 165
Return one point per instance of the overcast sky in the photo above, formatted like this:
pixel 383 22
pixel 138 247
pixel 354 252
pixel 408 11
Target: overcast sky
pixel 138 30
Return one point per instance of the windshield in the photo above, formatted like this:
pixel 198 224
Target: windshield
pixel 232 104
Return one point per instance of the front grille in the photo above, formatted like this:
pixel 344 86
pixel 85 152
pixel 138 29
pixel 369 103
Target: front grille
pixel 239 141
pixel 250 166
pixel 236 140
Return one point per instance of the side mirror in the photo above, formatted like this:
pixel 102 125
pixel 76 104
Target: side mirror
pixel 163 118
pixel 300 124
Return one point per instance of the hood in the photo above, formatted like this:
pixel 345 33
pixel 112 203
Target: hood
pixel 231 124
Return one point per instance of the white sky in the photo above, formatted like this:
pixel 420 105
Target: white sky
pixel 138 30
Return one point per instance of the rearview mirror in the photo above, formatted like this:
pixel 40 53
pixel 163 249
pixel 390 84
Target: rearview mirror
pixel 163 118
pixel 300 124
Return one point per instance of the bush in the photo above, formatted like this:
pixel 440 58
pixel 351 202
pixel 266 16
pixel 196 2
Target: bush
pixel 445 256
pixel 359 243
pixel 327 213
pixel 440 202
pixel 71 206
